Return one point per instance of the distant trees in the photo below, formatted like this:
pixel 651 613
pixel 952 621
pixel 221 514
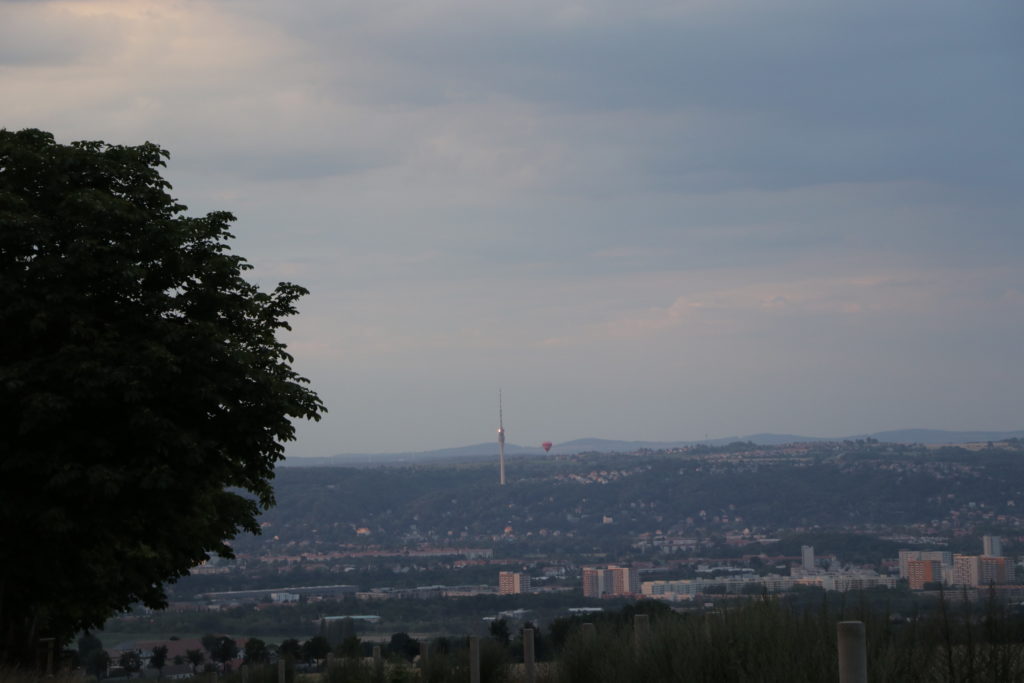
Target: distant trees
pixel 144 395
pixel 350 647
pixel 87 645
pixel 130 661
pixel 404 646
pixel 316 648
pixel 222 649
pixel 290 648
pixel 499 631
pixel 96 663
pixel 256 651
pixel 195 658
pixel 158 659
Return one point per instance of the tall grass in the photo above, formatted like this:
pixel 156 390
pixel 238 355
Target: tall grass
pixel 23 676
pixel 760 640
pixel 764 640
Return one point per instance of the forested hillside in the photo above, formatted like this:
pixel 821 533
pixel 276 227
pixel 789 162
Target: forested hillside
pixel 588 500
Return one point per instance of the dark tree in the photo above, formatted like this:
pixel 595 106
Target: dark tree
pixel 144 394
pixel 351 647
pixel 87 644
pixel 158 659
pixel 316 648
pixel 96 663
pixel 290 649
pixel 403 645
pixel 224 650
pixel 499 631
pixel 256 651
pixel 209 642
pixel 195 658
pixel 130 661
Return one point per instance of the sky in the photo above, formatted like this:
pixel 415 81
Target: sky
pixel 646 220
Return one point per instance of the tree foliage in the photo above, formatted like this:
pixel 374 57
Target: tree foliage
pixel 256 651
pixel 96 663
pixel 144 393
pixel 224 650
pixel 158 660
pixel 290 648
pixel 130 661
pixel 195 658
pixel 316 648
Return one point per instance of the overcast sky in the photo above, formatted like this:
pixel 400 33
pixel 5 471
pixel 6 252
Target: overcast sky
pixel 648 220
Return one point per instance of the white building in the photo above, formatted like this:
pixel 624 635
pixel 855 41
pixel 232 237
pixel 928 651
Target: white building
pixel 807 557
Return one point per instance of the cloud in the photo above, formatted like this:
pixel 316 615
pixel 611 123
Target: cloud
pixel 737 196
pixel 52 35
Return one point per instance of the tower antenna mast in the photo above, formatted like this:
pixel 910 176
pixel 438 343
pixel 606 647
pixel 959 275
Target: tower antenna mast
pixel 501 443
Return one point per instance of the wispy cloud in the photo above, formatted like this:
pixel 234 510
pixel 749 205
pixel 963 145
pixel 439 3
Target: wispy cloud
pixel 762 202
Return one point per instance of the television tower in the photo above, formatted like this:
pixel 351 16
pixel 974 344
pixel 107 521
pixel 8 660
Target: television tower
pixel 501 443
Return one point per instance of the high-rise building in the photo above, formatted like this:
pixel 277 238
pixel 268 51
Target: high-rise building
pixel 807 557
pixel 992 546
pixel 966 570
pixel 920 572
pixel 977 570
pixel 593 582
pixel 944 557
pixel 995 570
pixel 513 583
pixel 601 581
pixel 624 580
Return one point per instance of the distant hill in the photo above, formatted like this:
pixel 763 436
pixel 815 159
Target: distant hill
pixel 592 445
pixel 935 436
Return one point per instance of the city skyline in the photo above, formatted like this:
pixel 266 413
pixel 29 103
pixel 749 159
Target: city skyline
pixel 654 222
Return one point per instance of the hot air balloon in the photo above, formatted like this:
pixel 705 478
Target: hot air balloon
pixel 546 446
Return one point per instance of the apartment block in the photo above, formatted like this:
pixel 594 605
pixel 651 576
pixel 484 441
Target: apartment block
pixel 612 580
pixel 920 572
pixel 513 583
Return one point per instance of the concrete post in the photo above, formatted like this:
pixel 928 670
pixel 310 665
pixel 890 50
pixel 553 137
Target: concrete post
pixel 49 655
pixel 474 659
pixel 280 671
pixel 589 630
pixel 424 651
pixel 245 673
pixel 378 660
pixel 853 652
pixel 49 643
pixel 641 629
pixel 528 656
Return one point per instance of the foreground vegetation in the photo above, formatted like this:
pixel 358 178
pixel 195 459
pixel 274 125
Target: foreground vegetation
pixel 762 639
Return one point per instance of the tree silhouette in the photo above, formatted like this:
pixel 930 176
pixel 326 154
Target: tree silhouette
pixel 195 658
pixel 256 651
pixel 140 371
pixel 130 661
pixel 158 660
